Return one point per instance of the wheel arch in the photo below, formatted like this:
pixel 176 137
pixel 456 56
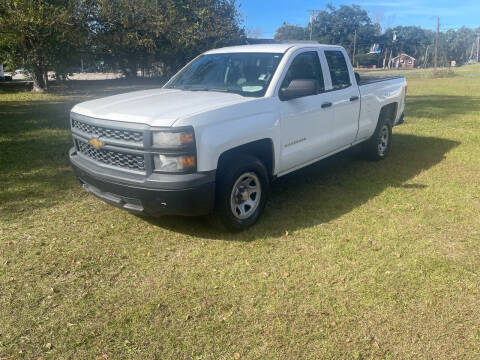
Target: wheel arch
pixel 388 112
pixel 262 149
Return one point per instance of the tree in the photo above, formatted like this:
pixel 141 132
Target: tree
pixel 40 35
pixel 411 40
pixel 290 32
pixel 335 26
pixel 417 42
pixel 201 25
pixel 338 26
pixel 127 32
pixel 135 33
pixel 458 44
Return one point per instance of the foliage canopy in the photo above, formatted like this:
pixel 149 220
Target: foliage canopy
pixel 338 26
pixel 43 35
pixel 159 36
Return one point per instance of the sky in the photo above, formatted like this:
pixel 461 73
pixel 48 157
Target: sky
pixel 263 17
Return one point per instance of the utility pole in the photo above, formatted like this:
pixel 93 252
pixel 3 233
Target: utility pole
pixel 435 60
pixel 311 23
pixel 312 15
pixel 478 44
pixel 354 46
pixel 394 40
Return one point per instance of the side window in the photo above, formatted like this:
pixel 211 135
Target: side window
pixel 338 69
pixel 305 66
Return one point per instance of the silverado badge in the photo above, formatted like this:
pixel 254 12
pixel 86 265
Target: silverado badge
pixel 97 144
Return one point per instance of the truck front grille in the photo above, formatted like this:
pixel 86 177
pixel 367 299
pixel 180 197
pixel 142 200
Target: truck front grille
pixel 113 158
pixel 99 131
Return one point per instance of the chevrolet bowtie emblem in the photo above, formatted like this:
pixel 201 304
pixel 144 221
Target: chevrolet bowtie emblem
pixel 97 144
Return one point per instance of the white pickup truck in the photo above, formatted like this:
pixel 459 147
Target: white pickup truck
pixel 226 125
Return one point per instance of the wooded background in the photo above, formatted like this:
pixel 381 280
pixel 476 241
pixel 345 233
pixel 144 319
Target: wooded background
pixel 157 37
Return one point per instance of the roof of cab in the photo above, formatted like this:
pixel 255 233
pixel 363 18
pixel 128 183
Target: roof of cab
pixel 267 48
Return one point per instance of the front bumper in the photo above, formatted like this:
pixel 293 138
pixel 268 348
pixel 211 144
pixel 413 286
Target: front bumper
pixel 182 194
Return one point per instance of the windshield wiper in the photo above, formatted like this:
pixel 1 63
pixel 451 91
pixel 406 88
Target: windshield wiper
pixel 204 89
pixel 228 90
pixel 195 88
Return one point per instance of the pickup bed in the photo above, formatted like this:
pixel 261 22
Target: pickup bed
pixel 226 125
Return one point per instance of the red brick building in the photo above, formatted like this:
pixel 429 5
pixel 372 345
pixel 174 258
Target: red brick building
pixel 403 61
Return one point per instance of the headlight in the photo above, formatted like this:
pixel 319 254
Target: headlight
pixel 171 163
pixel 162 139
pixel 174 150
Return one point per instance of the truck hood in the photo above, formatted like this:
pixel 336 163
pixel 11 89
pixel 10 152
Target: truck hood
pixel 157 107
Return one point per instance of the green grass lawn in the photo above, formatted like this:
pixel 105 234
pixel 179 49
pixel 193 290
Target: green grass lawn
pixel 351 260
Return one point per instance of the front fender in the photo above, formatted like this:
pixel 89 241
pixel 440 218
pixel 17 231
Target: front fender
pixel 222 129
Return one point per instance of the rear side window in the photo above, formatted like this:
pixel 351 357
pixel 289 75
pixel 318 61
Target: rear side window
pixel 305 66
pixel 338 69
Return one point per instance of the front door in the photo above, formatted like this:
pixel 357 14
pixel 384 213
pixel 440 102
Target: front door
pixel 304 120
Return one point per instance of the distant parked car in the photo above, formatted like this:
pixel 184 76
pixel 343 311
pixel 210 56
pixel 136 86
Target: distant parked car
pixel 20 71
pixel 21 74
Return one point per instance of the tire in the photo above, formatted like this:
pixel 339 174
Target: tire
pixel 241 194
pixel 378 146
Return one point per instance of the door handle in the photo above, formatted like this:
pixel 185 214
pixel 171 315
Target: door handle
pixel 326 105
pixel 354 98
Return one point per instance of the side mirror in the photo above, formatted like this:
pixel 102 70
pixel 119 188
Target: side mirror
pixel 357 77
pixel 299 88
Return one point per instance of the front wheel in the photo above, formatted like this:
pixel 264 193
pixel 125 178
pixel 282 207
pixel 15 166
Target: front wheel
pixel 242 193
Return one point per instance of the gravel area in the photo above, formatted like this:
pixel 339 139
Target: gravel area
pixel 95 76
pixel 77 76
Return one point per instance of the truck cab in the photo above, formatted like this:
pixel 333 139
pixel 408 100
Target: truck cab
pixel 231 121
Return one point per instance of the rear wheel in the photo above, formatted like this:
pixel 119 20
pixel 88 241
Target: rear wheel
pixel 378 146
pixel 241 193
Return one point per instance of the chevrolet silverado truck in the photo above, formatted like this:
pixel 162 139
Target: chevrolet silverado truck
pixel 213 138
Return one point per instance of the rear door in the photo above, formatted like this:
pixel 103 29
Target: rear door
pixel 304 120
pixel 345 98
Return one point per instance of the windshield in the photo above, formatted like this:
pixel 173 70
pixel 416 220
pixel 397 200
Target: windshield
pixel 247 74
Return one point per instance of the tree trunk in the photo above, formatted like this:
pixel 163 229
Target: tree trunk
pixel 45 79
pixel 39 79
pixel 132 67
